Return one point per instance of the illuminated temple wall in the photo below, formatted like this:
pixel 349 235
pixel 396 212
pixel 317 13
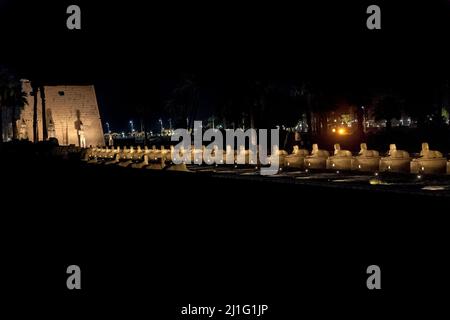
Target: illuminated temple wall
pixel 66 107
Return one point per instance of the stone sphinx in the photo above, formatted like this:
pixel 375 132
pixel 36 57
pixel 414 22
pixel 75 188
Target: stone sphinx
pixel 90 155
pixel 197 155
pixel 138 154
pixel 341 160
pixel 297 158
pixel 115 157
pixel 159 158
pixel 279 155
pixel 140 158
pixel 247 157
pixel 317 159
pixel 229 156
pixel 210 155
pixel 102 155
pixel 182 153
pixel 430 161
pixel 126 157
pixel 367 160
pixel 157 164
pixel 396 161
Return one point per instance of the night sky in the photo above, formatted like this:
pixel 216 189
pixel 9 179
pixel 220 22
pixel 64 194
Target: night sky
pixel 135 52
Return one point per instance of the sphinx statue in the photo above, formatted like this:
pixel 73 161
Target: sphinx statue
pixel 196 155
pixel 92 155
pixel 367 160
pixel 116 158
pixel 102 155
pixel 165 154
pixel 88 154
pixel 278 155
pixel 182 154
pixel 297 158
pixel 341 160
pixel 229 156
pixel 127 157
pixel 137 155
pixel 317 159
pixel 157 164
pixel 429 161
pixel 139 158
pixel 396 160
pixel 246 156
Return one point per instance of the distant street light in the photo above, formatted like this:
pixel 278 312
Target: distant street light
pixel 161 123
pixel 131 126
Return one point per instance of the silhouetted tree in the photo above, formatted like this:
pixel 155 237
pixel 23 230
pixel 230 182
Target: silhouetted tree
pixel 183 104
pixel 34 93
pixel 44 113
pixel 388 107
pixel 12 97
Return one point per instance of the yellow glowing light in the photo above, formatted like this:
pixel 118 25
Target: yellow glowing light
pixel 341 131
pixel 334 130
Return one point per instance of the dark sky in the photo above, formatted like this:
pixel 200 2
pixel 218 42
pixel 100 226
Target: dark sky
pixel 136 51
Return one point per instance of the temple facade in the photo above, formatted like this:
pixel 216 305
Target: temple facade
pixel 72 115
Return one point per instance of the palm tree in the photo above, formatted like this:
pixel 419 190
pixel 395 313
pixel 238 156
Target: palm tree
pixel 35 87
pixel 387 108
pixel 44 118
pixel 11 96
pixel 18 102
pixel 184 103
pixel 3 94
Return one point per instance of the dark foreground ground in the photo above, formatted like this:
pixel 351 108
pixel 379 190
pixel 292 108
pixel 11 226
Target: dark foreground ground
pixel 151 242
